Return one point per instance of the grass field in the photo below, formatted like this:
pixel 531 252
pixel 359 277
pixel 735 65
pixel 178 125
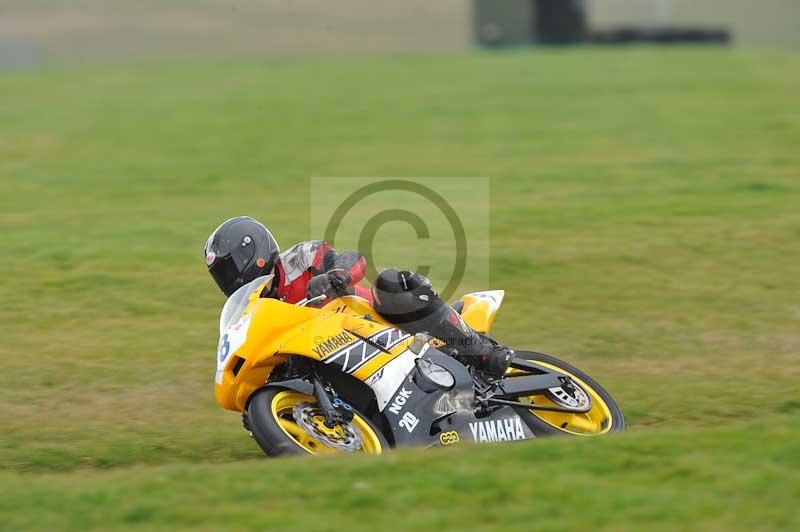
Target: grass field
pixel 645 223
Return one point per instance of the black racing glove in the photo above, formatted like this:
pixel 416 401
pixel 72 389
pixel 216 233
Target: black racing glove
pixel 330 283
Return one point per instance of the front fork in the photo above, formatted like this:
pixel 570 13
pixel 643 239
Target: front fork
pixel 335 410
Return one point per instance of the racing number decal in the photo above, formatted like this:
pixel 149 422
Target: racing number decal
pixel 232 340
pixel 224 348
pixel 409 422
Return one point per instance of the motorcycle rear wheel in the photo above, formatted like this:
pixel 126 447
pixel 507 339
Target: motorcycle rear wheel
pixel 604 417
pixel 285 422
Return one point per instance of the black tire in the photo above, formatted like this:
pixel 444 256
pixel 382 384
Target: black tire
pixel 272 439
pixel 541 427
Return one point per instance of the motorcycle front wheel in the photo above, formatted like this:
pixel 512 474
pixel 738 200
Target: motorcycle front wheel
pixel 285 422
pixel 604 416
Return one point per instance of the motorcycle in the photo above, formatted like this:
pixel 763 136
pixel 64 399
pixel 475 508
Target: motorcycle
pixel 341 378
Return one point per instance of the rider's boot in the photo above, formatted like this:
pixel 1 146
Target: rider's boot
pixel 480 351
pixel 407 299
pixel 496 361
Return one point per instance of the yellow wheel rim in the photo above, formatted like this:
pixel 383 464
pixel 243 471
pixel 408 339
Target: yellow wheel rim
pixel 283 405
pixel 596 421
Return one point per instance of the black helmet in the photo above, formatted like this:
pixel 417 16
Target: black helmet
pixel 238 251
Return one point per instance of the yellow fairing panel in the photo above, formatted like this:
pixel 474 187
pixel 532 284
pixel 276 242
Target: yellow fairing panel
pixel 355 305
pixel 271 324
pixel 480 308
pixel 273 330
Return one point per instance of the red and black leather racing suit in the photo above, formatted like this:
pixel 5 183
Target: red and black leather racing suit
pixel 300 263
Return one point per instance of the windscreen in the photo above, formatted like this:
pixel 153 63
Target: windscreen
pixel 236 304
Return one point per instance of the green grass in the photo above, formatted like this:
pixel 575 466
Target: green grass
pixel 655 481
pixel 644 223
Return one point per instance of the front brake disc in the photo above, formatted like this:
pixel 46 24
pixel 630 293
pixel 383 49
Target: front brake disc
pixel 344 437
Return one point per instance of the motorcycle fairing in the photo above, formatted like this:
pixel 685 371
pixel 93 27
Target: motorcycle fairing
pixel 342 334
pixel 480 308
pixel 360 351
pixel 388 379
pixel 420 414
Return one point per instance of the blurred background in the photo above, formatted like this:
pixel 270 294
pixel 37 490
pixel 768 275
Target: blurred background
pixel 32 31
pixel 643 171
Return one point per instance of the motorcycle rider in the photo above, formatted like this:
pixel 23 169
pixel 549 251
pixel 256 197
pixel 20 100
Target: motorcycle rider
pixel 243 249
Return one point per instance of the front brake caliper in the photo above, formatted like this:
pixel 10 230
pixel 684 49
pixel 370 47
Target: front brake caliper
pixel 343 409
pixel 336 411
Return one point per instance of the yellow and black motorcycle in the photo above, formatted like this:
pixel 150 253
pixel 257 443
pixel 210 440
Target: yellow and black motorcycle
pixel 343 379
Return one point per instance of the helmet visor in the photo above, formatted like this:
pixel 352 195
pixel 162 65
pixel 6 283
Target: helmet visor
pixel 226 274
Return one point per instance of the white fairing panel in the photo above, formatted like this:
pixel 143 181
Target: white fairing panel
pixel 387 380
